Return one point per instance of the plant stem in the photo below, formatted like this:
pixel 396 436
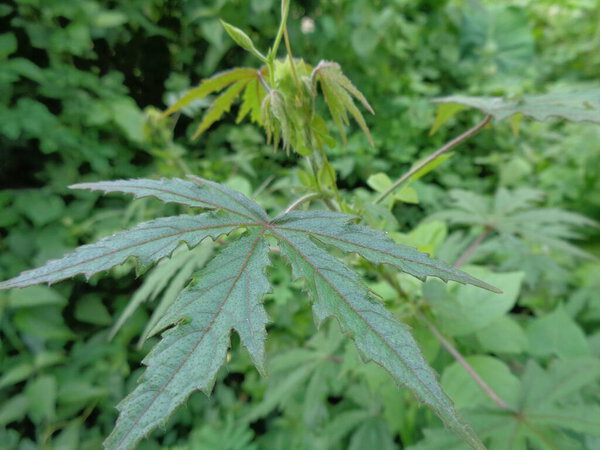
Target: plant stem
pixel 305 198
pixel 285 7
pixel 469 251
pixel 288 48
pixel 453 143
pixel 463 362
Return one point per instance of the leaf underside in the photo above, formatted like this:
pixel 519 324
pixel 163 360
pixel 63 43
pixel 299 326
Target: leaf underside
pixel 228 292
pixel 576 106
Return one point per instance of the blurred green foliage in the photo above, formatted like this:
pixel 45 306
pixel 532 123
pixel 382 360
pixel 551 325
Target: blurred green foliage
pixel 80 87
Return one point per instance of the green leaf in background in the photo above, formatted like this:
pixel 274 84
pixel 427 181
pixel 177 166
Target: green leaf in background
pixel 41 396
pixel 557 334
pixel 90 309
pixel 461 310
pixel 579 106
pixel 498 37
pixel 465 392
pixel 8 45
pixel 35 296
pixel 503 335
pixel 445 112
pixel 546 402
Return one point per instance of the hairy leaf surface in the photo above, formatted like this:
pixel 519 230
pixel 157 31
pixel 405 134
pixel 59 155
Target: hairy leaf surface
pixel 148 242
pixel 338 91
pixel 338 292
pixel 201 193
pixel 229 290
pixel 228 296
pixel 334 229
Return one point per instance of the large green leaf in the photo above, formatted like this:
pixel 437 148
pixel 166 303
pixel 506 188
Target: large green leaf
pixel 229 290
pixel 582 106
pixel 227 296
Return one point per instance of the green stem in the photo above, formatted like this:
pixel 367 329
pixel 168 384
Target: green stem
pixel 288 48
pixel 285 7
pixel 453 143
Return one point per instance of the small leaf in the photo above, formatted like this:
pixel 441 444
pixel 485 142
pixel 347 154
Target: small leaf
pixel 252 98
pixel 228 296
pixel 334 70
pixel 557 334
pixel 243 40
pixel 338 91
pixel 220 106
pixel 210 85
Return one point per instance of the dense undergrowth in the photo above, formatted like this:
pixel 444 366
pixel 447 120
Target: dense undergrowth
pixel 82 85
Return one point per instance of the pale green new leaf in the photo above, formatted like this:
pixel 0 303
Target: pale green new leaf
pixel 200 193
pixel 338 292
pixel 220 106
pixel 338 91
pixel 228 296
pixel 335 229
pixel 148 242
pixel 334 72
pixel 252 98
pixel 210 85
pixel 581 106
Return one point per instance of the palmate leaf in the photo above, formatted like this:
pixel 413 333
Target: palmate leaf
pixel 229 290
pixel 220 106
pixel 335 229
pixel 513 213
pixel 548 412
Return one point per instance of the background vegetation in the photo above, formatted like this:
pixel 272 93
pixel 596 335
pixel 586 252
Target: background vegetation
pixel 81 84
